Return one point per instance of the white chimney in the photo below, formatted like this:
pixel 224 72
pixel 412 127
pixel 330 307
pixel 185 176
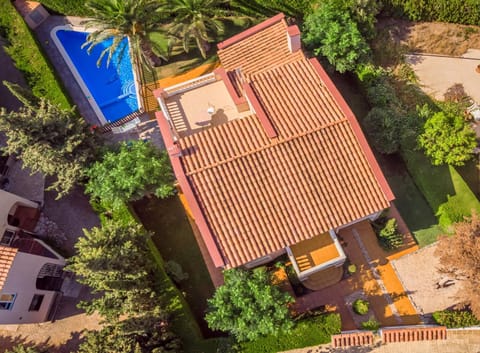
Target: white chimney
pixel 293 37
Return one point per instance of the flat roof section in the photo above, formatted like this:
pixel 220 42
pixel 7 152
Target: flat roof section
pixel 201 108
pixel 315 251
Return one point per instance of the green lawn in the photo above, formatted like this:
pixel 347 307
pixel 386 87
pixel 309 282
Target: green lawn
pixel 175 241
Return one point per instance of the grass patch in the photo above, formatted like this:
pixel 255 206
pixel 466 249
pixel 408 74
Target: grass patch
pixel 28 57
pixel 67 7
pixel 311 331
pixel 175 241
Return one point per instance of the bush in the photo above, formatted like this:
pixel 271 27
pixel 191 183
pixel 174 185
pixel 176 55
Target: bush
pixel 360 306
pixel 308 332
pixel 455 318
pixel 67 7
pixel 371 324
pixel 384 130
pixel 454 11
pixel 388 236
pixel 352 269
pixel 175 272
pixel 28 56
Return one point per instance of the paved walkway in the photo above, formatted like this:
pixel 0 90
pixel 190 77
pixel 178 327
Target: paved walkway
pixel 375 280
pixel 467 341
pixel 437 73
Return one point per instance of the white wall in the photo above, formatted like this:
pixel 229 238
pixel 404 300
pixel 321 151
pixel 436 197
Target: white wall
pixel 7 202
pixel 21 281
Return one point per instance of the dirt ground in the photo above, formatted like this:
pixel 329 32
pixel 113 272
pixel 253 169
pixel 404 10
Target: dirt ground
pixel 433 37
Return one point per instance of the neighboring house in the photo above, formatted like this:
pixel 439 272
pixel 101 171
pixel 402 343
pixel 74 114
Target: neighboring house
pixel 269 156
pixel 30 271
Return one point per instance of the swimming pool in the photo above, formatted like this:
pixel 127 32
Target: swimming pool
pixel 112 90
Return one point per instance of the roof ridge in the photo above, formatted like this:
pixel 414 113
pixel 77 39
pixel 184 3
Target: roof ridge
pixel 265 147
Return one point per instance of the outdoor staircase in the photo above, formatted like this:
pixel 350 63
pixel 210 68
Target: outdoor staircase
pixel 177 117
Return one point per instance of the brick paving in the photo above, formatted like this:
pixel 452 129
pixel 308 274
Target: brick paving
pixel 392 299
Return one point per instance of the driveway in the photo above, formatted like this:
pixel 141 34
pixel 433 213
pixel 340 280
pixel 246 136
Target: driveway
pixel 437 73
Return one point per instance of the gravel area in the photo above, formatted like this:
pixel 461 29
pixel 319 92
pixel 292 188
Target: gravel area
pixel 422 280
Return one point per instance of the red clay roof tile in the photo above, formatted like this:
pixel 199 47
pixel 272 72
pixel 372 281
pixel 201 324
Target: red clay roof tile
pixel 260 194
pixel 7 255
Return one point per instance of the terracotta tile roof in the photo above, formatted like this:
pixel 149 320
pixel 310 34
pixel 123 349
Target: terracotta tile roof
pixel 265 48
pixel 254 190
pixel 7 255
pixel 259 194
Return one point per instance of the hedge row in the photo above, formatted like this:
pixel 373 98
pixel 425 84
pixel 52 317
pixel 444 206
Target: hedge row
pixel 67 7
pixel 455 318
pixel 455 11
pixel 23 48
pixel 308 332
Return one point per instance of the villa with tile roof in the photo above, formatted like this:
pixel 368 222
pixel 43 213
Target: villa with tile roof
pixel 30 271
pixel 270 158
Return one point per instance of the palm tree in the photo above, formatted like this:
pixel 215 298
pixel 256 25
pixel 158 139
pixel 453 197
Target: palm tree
pixel 119 19
pixel 198 20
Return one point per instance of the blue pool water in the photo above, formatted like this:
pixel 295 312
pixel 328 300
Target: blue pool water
pixel 112 87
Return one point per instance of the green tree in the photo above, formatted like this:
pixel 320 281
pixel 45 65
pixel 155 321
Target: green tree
pixel 117 20
pixel 248 306
pixel 447 139
pixel 137 168
pixel 115 261
pixel 200 21
pixel 51 141
pixel 384 129
pixel 145 334
pixel 331 31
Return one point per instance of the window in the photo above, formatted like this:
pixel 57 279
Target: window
pixel 6 301
pixel 36 302
pixel 7 237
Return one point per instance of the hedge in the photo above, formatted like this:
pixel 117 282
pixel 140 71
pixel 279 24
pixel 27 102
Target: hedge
pixel 455 318
pixel 455 11
pixel 28 57
pixel 311 331
pixel 67 7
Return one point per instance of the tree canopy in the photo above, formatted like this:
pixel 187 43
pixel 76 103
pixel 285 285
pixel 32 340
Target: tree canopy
pixel 200 21
pixel 114 260
pixel 248 306
pixel 117 20
pixel 331 31
pixel 145 334
pixel 447 139
pixel 130 172
pixel 460 257
pixel 50 140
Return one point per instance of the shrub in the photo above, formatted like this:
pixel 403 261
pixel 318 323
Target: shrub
pixel 352 269
pixel 455 318
pixel 371 324
pixel 387 233
pixel 28 56
pixel 448 139
pixel 311 331
pixel 384 129
pixel 175 271
pixel 360 306
pixel 454 11
pixel 67 7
